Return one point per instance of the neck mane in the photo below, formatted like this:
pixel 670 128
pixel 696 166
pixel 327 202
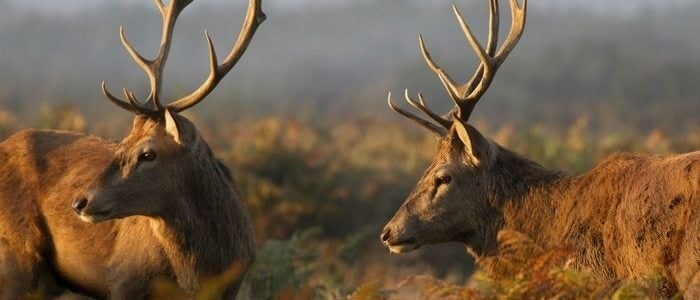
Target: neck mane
pixel 522 191
pixel 524 206
pixel 212 233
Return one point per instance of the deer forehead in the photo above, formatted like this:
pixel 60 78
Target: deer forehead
pixel 450 152
pixel 144 129
pixel 146 135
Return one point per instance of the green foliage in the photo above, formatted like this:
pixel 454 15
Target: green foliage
pixel 341 178
pixel 370 290
pixel 535 281
pixel 64 117
pixel 304 264
pixel 281 264
pixel 8 123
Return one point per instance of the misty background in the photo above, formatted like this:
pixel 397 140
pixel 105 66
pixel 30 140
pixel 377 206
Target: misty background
pixel 627 64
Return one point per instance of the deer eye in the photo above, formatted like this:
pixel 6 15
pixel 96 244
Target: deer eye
pixel 147 156
pixel 445 179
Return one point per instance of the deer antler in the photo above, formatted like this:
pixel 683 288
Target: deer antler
pixel 154 68
pixel 466 96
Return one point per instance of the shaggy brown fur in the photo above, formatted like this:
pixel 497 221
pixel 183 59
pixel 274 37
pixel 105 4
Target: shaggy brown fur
pixel 178 217
pixel 630 217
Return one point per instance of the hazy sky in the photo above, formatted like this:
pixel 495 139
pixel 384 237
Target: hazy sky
pixel 73 5
pixel 351 56
pixel 606 6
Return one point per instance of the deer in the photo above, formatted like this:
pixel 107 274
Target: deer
pixel 110 219
pixel 630 216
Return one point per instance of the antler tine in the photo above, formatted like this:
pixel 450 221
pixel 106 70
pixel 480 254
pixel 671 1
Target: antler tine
pixel 254 17
pixel 467 95
pixel 115 100
pixel 424 108
pixel 490 44
pixel 152 68
pixel 444 77
pixel 494 21
pixel 430 126
pixel 169 14
pixel 518 15
pixel 161 6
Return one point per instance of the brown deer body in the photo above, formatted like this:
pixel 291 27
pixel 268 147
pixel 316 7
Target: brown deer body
pixel 110 219
pixel 630 217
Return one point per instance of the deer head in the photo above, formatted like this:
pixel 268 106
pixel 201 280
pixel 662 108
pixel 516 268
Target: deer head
pixel 150 165
pixel 450 201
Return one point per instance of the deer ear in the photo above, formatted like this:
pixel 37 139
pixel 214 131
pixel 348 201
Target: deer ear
pixel 171 126
pixel 463 134
pixel 476 146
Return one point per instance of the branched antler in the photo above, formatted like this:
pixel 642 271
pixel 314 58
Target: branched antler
pixel 154 68
pixel 466 96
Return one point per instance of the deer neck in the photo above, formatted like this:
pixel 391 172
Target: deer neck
pixel 525 199
pixel 210 233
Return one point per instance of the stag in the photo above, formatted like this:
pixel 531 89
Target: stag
pixel 629 217
pixel 109 219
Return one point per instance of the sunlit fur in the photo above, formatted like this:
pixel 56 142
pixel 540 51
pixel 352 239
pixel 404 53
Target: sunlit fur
pixel 632 216
pixel 177 218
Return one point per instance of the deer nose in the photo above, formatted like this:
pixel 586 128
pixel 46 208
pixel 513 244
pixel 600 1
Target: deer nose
pixel 385 235
pixel 79 205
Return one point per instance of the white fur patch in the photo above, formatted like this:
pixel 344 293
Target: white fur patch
pixel 87 218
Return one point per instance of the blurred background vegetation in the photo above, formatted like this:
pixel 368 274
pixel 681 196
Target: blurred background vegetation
pixel 303 123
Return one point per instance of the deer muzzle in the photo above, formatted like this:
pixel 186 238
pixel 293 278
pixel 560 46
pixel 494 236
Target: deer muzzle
pixel 399 235
pixel 396 243
pixel 85 209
